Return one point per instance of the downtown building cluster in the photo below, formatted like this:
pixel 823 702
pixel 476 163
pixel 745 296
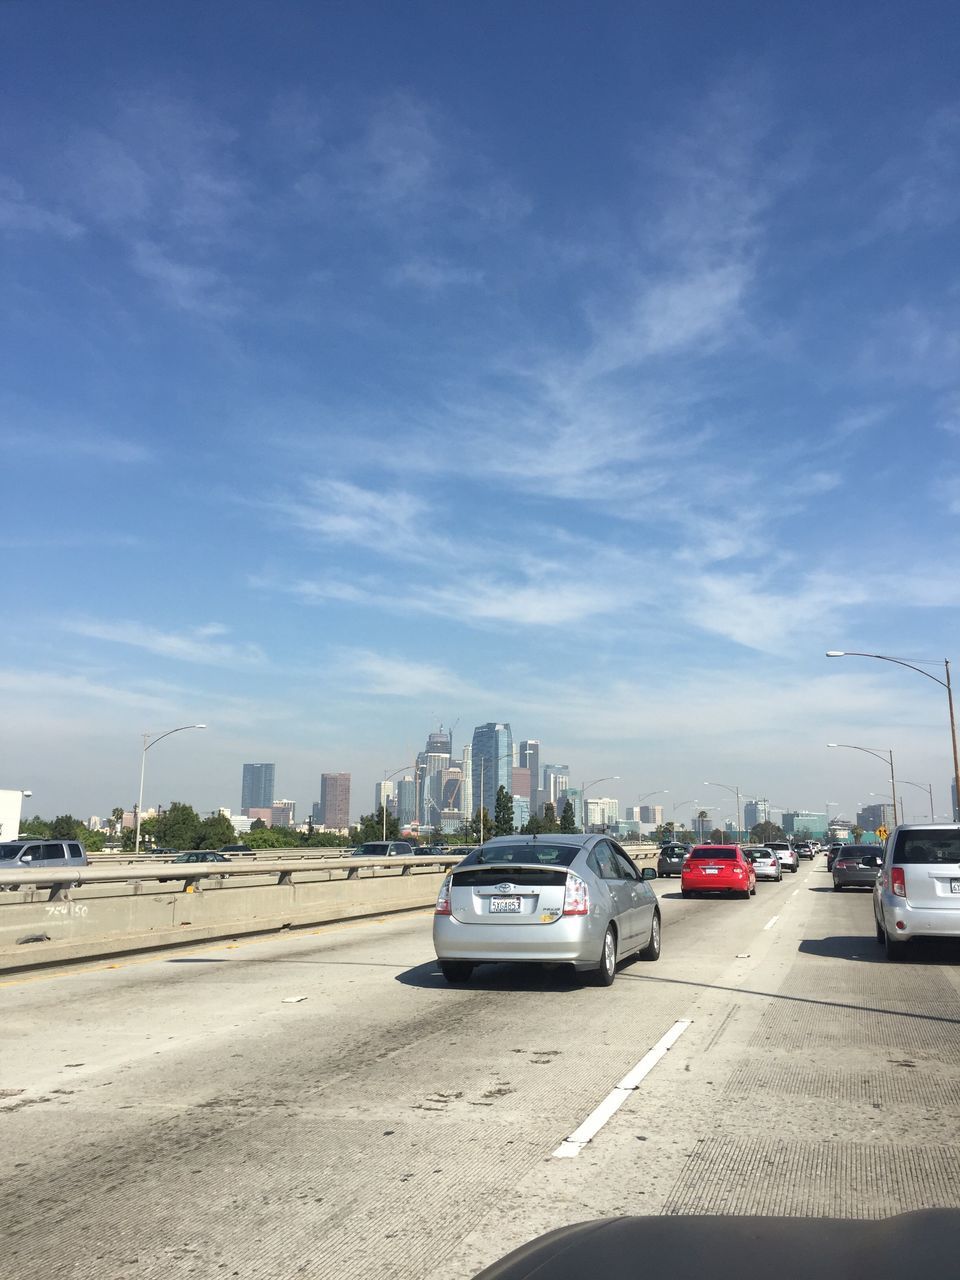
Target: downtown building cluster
pixel 444 788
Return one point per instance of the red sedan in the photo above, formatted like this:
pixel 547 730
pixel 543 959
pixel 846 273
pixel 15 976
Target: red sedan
pixel 718 868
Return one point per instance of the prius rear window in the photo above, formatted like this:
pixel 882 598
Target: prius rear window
pixel 547 854
pixel 918 847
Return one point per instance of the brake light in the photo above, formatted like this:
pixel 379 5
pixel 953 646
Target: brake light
pixel 443 899
pixel 576 897
pixel 897 883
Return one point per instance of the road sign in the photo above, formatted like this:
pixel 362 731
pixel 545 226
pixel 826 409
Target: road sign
pixel 882 833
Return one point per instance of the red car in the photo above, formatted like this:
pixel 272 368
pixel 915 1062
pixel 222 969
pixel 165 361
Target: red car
pixel 718 868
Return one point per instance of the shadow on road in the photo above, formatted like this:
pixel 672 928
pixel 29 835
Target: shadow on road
pixel 858 946
pixel 498 977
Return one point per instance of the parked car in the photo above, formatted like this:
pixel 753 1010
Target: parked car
pixel 41 855
pixel 385 849
pixel 576 899
pixel 766 864
pixel 670 859
pixel 718 868
pixel 787 854
pixel 856 866
pixel 917 893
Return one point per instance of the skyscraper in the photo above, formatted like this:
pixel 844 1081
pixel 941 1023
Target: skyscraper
pixel 335 800
pixel 258 785
pixel 755 811
pixel 556 780
pixel 492 764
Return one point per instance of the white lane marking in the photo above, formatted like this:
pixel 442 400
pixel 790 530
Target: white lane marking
pixel 771 922
pixel 617 1096
pixel 795 892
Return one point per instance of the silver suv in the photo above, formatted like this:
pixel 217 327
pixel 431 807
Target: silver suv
pixel 41 855
pixel 786 854
pixel 917 893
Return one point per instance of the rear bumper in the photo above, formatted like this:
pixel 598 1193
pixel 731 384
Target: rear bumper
pixel 767 873
pixel 861 878
pixel 569 939
pixel 713 884
pixel 918 922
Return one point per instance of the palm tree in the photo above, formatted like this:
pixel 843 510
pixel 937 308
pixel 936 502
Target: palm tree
pixel 701 819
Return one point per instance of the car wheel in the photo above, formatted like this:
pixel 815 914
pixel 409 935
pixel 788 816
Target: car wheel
pixel 753 891
pixel 794 870
pixel 895 949
pixel 652 950
pixel 837 887
pixel 608 959
pixel 456 970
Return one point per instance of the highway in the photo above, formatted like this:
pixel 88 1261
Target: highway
pixel 187 1114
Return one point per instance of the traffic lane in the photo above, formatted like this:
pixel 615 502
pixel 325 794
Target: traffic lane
pixel 816 1079
pixel 354 1108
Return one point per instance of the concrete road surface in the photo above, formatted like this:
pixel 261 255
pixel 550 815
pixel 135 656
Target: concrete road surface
pixel 174 1116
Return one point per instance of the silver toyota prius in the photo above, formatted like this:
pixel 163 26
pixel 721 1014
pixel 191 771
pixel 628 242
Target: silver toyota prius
pixel 574 899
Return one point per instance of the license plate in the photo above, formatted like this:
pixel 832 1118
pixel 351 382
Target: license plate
pixel 955 886
pixel 504 904
pixel 711 871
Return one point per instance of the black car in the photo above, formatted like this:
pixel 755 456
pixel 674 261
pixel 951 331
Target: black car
pixel 856 866
pixel 670 860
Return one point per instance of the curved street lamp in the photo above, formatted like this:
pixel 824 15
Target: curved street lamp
pixel 918 666
pixel 880 754
pixel 143 764
pixel 921 786
pixel 734 791
pixel 584 786
pixel 383 801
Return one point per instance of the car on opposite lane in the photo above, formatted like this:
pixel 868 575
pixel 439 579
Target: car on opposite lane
pixel 718 868
pixel 573 899
pixel 917 893
pixel 385 849
pixel 766 864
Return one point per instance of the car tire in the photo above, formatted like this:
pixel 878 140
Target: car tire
pixel 837 887
pixel 795 870
pixel 753 891
pixel 652 950
pixel 456 971
pixel 895 949
pixel 686 893
pixel 607 971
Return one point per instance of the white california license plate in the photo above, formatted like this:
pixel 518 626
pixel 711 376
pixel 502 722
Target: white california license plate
pixel 711 871
pixel 955 886
pixel 504 904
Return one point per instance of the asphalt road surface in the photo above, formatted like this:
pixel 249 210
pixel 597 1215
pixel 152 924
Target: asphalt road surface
pixel 173 1115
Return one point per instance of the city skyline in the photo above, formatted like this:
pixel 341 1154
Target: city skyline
pixel 388 366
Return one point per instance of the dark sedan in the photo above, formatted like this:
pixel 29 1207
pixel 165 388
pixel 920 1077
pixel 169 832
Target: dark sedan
pixel 855 867
pixel 670 859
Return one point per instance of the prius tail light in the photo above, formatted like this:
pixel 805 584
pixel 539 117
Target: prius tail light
pixel 443 898
pixel 576 897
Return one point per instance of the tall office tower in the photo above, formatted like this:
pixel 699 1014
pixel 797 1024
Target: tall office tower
pixel 383 794
pixel 492 764
pixel 556 779
pixel 258 784
pixel 604 811
pixel 530 759
pixel 335 800
pixel 755 811
pixel 466 805
pixel 521 782
pixel 651 813
pixel 872 816
pixel 283 813
pixel 451 782
pixel 406 800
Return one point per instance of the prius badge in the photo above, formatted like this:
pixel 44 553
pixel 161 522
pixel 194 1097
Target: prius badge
pixel 504 888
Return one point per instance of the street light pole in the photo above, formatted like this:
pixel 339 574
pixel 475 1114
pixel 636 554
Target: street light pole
pixel 735 790
pixel 880 754
pixel 921 786
pixel 614 777
pixel 944 684
pixel 143 764
pixel 383 801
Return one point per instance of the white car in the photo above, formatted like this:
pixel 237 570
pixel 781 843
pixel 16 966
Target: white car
pixel 786 853
pixel 917 893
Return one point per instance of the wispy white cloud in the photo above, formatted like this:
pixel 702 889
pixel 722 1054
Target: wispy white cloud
pixel 433 275
pixel 76 441
pixel 199 289
pixel 18 214
pixel 339 511
pixel 200 644
pixel 380 674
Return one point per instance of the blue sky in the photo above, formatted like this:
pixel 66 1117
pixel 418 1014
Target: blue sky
pixel 371 366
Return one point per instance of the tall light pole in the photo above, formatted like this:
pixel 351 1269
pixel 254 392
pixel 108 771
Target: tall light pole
pixel 584 787
pixel 147 744
pixel 734 791
pixel 918 666
pixel 921 786
pixel 880 754
pixel 680 805
pixel 383 800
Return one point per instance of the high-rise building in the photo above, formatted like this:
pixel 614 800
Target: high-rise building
pixel 603 811
pixel 283 813
pixel 258 785
pixel 492 764
pixel 522 781
pixel 406 800
pixel 872 816
pixel 650 813
pixel 804 822
pixel 530 759
pixel 755 811
pixel 466 805
pixel 335 801
pixel 383 795
pixel 556 779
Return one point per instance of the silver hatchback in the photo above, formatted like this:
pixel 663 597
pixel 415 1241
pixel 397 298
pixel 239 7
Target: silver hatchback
pixel 574 899
pixel 917 893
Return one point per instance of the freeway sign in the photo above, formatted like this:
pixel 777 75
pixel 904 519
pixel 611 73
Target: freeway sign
pixel 882 833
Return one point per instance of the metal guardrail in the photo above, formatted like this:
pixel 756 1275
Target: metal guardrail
pixel 192 873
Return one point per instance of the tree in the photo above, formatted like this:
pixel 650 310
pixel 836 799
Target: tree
pixel 258 824
pixel 702 818
pixel 568 822
pixel 116 821
pixel 857 833
pixel 503 813
pixel 215 831
pixel 534 826
pixel 717 836
pixel 481 826
pixel 178 827
pixel 65 826
pixel 550 818
pixel 761 832
pixel 371 827
pixel 272 838
pixel 36 827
